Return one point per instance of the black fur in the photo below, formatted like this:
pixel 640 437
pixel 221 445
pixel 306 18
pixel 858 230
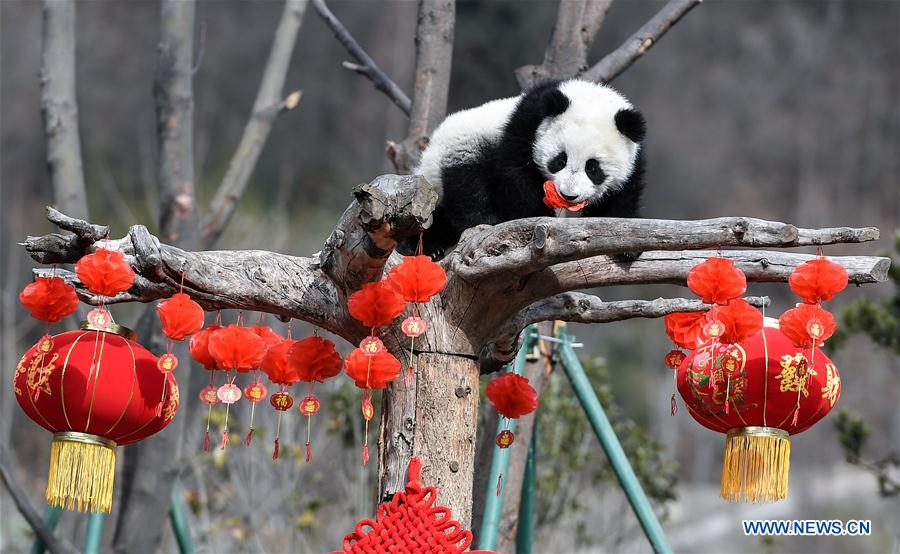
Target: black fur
pixel 504 182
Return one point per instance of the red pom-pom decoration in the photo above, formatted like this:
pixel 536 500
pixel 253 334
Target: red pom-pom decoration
pixel 512 395
pixel 685 329
pixel 180 316
pixel 199 347
pixel 376 304
pixel 741 320
pixel 384 369
pixel 236 347
pixel 105 272
pixel 716 281
pixel 314 359
pixel 807 325
pixel 417 278
pixel 818 280
pixel 275 364
pixel 270 337
pixel 49 299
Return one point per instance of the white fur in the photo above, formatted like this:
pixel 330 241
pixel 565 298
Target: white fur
pixel 587 129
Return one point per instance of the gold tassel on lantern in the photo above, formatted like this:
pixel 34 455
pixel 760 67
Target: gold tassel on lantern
pixel 757 461
pixel 82 469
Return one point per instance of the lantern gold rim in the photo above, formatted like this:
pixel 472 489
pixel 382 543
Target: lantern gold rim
pixel 758 431
pixel 113 328
pixel 87 438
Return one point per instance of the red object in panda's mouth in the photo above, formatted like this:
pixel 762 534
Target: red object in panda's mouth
pixel 553 199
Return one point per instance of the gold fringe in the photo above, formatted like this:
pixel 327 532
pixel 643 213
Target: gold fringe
pixel 756 466
pixel 82 470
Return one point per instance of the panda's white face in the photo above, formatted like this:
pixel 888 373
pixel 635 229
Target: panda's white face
pixel 583 149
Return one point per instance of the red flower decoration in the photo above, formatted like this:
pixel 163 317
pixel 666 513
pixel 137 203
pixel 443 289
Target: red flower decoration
pixel 417 278
pixel 384 369
pixel 105 272
pixel 236 347
pixel 717 281
pixel 818 280
pixel 512 395
pixel 270 337
pixel 686 328
pixel 807 324
pixel 314 359
pixel 199 347
pixel 49 299
pixel 180 316
pixel 376 304
pixel 741 320
pixel 275 364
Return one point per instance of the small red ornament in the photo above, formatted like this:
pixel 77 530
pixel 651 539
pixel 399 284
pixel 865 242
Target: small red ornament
pixel 553 199
pixel 413 326
pixel 167 363
pixel 714 328
pixel 505 438
pixel 180 316
pixel 818 280
pixel 282 401
pixel 236 347
pixel 275 364
pixel 376 304
pixel 255 392
pixel 807 325
pixel 229 393
pixel 100 319
pixel 368 410
pixel 105 272
pixel 269 337
pixel 209 395
pixel 199 347
pixel 417 278
pixel 49 299
pixel 741 320
pixel 371 345
pixel 717 280
pixel 674 358
pixel 685 329
pixel 310 405
pixel 372 372
pixel 512 395
pixel 314 359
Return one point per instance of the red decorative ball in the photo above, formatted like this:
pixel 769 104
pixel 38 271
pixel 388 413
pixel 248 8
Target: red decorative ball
pixel 314 359
pixel 199 347
pixel 276 365
pixel 180 316
pixel 686 328
pixel 417 278
pixel 373 372
pixel 376 304
pixel 512 395
pixel 717 280
pixel 236 347
pixel 105 272
pixel 49 299
pixel 269 337
pixel 741 320
pixel 807 324
pixel 818 280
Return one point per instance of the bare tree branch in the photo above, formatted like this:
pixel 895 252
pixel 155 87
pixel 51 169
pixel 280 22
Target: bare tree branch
pixel 577 23
pixel 434 54
pixel 268 105
pixel 366 66
pixel 637 44
pixel 60 108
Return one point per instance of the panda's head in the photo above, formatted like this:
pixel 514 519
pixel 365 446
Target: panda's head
pixel 588 141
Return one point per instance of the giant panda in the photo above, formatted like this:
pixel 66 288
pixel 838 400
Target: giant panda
pixel 489 164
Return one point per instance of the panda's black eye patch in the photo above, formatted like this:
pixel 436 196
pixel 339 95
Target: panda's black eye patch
pixel 558 163
pixel 594 172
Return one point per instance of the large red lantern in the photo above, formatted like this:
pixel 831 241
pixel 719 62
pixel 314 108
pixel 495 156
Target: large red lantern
pixel 94 389
pixel 773 390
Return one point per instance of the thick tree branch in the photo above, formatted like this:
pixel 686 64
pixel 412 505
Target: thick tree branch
pixel 637 44
pixel 60 109
pixel 366 66
pixel 577 23
pixel 524 245
pixel 434 54
pixel 268 105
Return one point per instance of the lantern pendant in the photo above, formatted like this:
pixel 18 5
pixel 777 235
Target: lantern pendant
pixel 281 401
pixel 255 393
pixel 673 360
pixel 309 407
pixel 228 394
pixel 413 326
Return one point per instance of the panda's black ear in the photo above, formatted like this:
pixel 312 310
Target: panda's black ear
pixel 630 123
pixel 554 102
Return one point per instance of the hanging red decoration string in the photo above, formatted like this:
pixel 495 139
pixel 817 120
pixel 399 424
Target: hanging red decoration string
pixel 236 348
pixel 685 329
pixel 376 304
pixel 277 367
pixel 717 280
pixel 512 396
pixel 818 280
pixel 180 317
pixel 370 372
pixel 105 272
pixel 199 348
pixel 807 325
pixel 313 360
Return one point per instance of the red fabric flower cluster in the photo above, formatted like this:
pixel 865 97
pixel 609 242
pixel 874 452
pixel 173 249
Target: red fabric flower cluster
pixel 236 347
pixel 314 359
pixel 818 280
pixel 49 299
pixel 741 320
pixel 417 278
pixel 180 316
pixel 512 395
pixel 199 347
pixel 807 325
pixel 276 364
pixel 685 329
pixel 716 281
pixel 376 304
pixel 105 272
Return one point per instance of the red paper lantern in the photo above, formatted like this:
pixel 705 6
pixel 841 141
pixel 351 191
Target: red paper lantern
pixel 512 395
pixel 199 347
pixel 180 316
pixel 236 347
pixel 372 372
pixel 685 329
pixel 49 299
pixel 269 337
pixel 376 304
pixel 740 319
pixel 717 280
pixel 314 359
pixel 759 392
pixel 818 280
pixel 94 389
pixel 105 272
pixel 417 278
pixel 807 325
pixel 275 364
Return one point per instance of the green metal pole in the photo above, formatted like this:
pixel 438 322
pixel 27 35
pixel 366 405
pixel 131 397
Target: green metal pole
pixel 179 522
pixel 525 531
pixel 51 518
pixel 614 452
pixel 493 504
pixel 94 534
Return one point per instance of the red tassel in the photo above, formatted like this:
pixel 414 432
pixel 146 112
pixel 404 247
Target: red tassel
pixel 224 439
pixel 499 484
pixel 308 452
pixel 366 455
pixel 796 416
pixel 409 377
pixel 206 442
pixel 673 405
pixel 249 438
pixel 275 452
pixel 159 408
